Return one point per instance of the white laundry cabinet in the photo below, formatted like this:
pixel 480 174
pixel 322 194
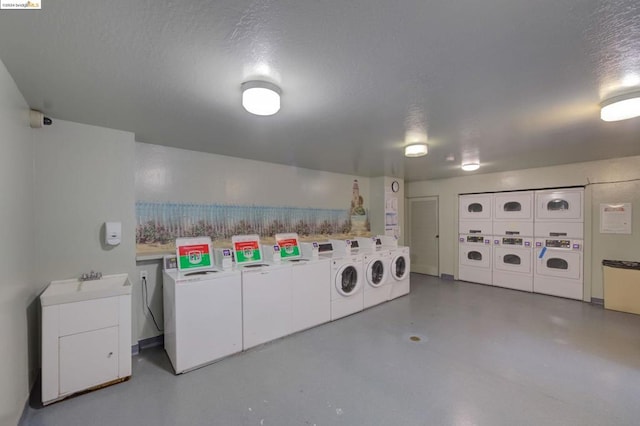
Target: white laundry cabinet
pixel 86 335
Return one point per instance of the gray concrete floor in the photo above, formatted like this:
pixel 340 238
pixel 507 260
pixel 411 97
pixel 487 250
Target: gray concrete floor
pixel 486 356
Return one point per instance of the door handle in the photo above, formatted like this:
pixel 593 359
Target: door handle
pixel 437 236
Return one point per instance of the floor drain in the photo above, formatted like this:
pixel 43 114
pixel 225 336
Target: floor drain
pixel 414 338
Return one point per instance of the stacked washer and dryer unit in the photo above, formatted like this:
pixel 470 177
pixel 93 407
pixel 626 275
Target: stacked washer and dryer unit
pixel 475 229
pixel 513 240
pixel 524 240
pixel 559 231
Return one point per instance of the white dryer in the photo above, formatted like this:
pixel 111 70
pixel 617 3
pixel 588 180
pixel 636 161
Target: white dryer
pixel 558 267
pixel 347 283
pixel 475 258
pixel 475 207
pixel 400 272
pixel 513 262
pixel 560 205
pixel 517 205
pixel 202 308
pixel 266 293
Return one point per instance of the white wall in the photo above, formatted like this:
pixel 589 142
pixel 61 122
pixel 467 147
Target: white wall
pixel 178 175
pixel 84 177
pixel 597 246
pixel 380 190
pixel 17 290
pixel 169 174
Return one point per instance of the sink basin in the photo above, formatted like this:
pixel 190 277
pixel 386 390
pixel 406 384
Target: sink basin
pixel 67 291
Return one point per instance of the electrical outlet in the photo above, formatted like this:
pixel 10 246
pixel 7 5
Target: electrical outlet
pixel 143 275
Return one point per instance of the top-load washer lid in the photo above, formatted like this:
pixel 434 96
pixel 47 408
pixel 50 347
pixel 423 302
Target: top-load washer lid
pixel 194 254
pixel 289 246
pixel 247 249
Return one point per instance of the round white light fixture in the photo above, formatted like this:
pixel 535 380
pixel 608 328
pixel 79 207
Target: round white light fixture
pixel 260 97
pixel 416 150
pixel 621 107
pixel 469 167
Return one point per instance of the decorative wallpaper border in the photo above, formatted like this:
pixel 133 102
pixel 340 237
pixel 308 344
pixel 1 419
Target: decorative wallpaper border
pixel 162 223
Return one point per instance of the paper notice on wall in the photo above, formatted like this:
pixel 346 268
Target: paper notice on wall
pixel 615 218
pixel 391 223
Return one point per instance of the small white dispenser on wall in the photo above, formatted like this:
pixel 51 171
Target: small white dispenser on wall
pixel 513 240
pixel 559 232
pixel 475 248
pixel 113 233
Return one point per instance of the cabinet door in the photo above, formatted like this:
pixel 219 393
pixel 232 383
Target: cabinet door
pixel 88 359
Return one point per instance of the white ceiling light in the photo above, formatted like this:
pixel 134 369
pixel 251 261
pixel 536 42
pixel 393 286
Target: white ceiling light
pixel 260 97
pixel 621 107
pixel 469 167
pixel 416 150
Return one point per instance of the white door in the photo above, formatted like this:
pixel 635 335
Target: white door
pixel 513 205
pixel 561 204
pixel 424 236
pixel 473 207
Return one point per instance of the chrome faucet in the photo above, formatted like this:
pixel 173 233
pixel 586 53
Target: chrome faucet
pixel 91 276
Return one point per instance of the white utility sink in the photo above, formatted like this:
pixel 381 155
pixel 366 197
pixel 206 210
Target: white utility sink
pixel 74 290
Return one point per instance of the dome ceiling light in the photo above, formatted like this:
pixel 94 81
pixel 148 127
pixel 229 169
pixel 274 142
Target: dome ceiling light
pixel 469 167
pixel 416 150
pixel 260 97
pixel 621 107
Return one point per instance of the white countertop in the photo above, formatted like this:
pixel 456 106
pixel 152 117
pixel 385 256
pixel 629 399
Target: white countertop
pixel 74 290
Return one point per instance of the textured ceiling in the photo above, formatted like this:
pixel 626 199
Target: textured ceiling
pixel 513 83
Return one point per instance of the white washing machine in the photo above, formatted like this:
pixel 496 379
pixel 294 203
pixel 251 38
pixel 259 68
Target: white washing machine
pixel 310 288
pixel 347 285
pixel 377 287
pixel 558 267
pixel 266 293
pixel 517 205
pixel 377 271
pixel 202 311
pixel 400 272
pixel 475 207
pixel 475 258
pixel 560 205
pixel 513 262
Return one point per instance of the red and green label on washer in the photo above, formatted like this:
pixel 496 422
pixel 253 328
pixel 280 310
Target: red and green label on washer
pixel 289 248
pixel 247 251
pixel 194 256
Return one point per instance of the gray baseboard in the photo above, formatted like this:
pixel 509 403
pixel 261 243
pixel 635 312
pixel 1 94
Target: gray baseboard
pixel 151 342
pixel 447 277
pixel 597 301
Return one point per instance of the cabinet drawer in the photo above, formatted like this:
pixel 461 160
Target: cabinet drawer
pixel 88 315
pixel 88 359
